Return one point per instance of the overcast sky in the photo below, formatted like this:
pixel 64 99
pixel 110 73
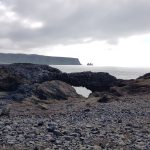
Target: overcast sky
pixel 104 32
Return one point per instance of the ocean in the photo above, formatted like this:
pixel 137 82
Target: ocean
pixel 118 72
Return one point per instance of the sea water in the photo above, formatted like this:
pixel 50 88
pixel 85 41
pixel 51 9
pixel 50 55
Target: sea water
pixel 118 72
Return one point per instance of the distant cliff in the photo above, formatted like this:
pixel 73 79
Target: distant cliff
pixel 37 59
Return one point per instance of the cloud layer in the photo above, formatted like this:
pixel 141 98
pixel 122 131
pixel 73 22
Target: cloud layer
pixel 27 24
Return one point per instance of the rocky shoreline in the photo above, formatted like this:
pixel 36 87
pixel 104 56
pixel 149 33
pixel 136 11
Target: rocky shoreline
pixel 40 110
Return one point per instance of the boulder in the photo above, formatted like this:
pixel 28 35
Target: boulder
pixel 104 97
pixel 117 91
pixel 5 111
pixel 55 90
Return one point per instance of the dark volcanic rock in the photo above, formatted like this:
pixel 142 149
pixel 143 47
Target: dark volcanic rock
pixel 9 81
pixel 21 80
pixel 104 97
pixel 55 90
pixel 132 87
pixel 14 75
pixel 107 98
pixel 115 90
pixel 137 88
pixel 140 85
pixel 145 76
pixel 5 111
pixel 23 91
pixel 25 80
pixel 99 81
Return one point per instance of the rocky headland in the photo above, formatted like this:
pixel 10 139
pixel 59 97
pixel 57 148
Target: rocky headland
pixel 40 110
pixel 8 58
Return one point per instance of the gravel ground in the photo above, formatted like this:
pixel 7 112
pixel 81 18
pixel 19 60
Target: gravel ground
pixel 78 125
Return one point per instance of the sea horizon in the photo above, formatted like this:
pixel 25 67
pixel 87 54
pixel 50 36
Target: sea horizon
pixel 118 72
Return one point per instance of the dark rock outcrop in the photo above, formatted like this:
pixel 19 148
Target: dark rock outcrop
pixel 145 76
pixel 5 111
pixel 99 81
pixel 25 80
pixel 104 97
pixel 14 75
pixel 140 85
pixel 55 90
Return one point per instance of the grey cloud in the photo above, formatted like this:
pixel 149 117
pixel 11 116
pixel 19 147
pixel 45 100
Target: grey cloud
pixel 67 21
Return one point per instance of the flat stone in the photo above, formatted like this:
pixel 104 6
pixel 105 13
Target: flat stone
pixel 88 126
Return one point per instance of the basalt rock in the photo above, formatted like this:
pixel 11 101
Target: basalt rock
pixel 25 80
pixel 99 81
pixel 104 97
pixel 139 86
pixel 145 76
pixel 55 90
pixel 14 75
pixel 5 111
pixel 132 87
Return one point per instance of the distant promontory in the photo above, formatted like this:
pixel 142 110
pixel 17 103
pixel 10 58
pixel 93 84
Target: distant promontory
pixel 8 58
